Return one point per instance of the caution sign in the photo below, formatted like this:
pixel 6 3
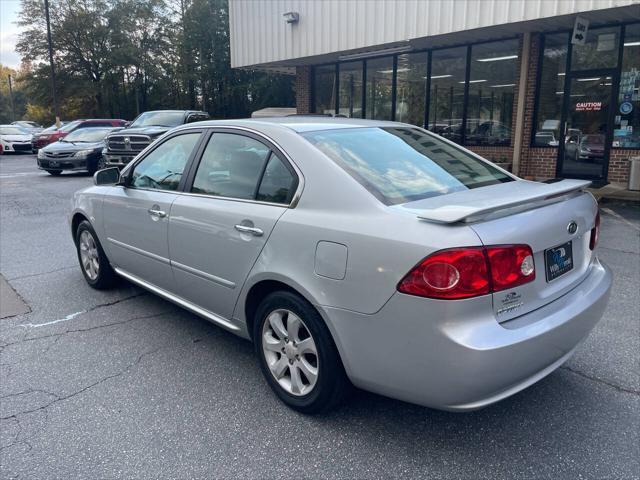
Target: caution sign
pixel 588 106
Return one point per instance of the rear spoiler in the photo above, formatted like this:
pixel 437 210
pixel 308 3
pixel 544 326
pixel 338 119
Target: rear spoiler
pixel 497 201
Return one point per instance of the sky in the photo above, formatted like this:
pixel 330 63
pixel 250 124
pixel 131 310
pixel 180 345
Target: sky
pixel 9 33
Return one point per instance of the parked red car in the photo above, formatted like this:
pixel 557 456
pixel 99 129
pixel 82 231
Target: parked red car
pixel 53 134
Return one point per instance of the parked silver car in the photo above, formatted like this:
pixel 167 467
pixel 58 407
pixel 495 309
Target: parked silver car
pixel 354 252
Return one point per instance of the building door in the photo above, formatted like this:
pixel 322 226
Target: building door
pixel 588 127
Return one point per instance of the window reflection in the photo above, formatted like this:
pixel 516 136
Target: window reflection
pixel 410 89
pixel 492 81
pixel 599 51
pixel 626 131
pixel 351 89
pixel 551 90
pixel 448 70
pixel 379 88
pixel 325 88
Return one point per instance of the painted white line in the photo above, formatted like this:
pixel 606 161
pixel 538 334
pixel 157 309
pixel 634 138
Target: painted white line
pixel 21 174
pixel 71 316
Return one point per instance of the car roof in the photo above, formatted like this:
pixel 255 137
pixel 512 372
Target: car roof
pixel 300 123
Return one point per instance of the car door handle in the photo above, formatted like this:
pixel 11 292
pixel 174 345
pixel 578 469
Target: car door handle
pixel 157 213
pixel 257 232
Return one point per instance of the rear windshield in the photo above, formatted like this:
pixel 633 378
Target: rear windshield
pixel 402 164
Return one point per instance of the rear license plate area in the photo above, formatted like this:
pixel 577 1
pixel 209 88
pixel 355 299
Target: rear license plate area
pixel 558 261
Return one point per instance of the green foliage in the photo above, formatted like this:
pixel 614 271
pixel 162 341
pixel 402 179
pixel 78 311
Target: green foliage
pixel 118 58
pixel 19 97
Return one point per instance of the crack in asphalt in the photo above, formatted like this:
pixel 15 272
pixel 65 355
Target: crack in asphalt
pixel 31 275
pixel 27 326
pixel 58 398
pixel 58 336
pixel 601 381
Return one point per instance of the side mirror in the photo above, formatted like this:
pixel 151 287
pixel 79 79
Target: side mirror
pixel 108 176
pixel 127 124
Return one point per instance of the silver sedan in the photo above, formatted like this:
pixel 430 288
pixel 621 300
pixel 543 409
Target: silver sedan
pixel 354 252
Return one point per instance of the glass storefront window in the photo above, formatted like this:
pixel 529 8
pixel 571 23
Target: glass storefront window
pixel 379 88
pixel 350 86
pixel 599 51
pixel 410 89
pixel 551 90
pixel 324 89
pixel 492 82
pixel 626 130
pixel 448 70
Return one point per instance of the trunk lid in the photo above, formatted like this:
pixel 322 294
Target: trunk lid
pixel 531 213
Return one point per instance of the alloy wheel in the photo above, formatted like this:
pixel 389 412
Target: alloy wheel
pixel 89 255
pixel 290 352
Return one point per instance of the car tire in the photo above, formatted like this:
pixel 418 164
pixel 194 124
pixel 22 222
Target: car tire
pixel 95 266
pixel 288 364
pixel 55 173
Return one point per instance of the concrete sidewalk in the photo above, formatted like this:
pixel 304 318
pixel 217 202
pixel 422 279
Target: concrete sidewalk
pixel 615 191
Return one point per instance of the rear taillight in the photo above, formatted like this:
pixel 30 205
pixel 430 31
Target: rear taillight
pixel 510 266
pixel 595 233
pixel 469 272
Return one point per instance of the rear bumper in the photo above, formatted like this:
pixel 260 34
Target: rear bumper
pixel 455 355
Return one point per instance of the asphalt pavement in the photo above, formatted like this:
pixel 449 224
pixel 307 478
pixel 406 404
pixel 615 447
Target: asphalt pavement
pixel 122 384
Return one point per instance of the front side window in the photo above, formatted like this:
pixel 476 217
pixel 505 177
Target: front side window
pixel 231 166
pixel 399 165
pixel 448 72
pixel 162 168
pixel 492 81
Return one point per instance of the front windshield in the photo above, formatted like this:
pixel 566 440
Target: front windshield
pixel 69 126
pixel 400 164
pixel 12 131
pixel 159 119
pixel 87 135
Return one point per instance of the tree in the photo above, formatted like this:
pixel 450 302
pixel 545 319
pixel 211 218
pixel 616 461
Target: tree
pixel 121 57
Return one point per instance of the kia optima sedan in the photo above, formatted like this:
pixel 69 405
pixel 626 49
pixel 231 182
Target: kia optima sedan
pixel 354 252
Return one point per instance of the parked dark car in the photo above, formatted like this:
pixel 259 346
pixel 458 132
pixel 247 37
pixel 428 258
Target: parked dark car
pixel 53 134
pixel 79 150
pixel 124 145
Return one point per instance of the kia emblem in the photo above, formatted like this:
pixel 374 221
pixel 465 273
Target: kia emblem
pixel 572 227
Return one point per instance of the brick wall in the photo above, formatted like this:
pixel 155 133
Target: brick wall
pixel 303 89
pixel 619 164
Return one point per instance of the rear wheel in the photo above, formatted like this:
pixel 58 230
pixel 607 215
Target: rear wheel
pixel 55 173
pixel 94 263
pixel 297 355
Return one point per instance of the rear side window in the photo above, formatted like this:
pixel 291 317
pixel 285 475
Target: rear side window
pixel 231 166
pixel 399 165
pixel 278 183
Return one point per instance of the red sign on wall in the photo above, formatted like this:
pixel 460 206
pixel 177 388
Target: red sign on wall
pixel 588 106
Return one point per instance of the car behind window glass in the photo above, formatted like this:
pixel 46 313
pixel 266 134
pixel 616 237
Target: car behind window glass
pixel 230 167
pixel 162 168
pixel 399 165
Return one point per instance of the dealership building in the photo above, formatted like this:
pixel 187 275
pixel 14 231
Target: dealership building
pixel 549 88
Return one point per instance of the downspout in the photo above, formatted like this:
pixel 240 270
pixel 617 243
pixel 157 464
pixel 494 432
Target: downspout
pixel 522 95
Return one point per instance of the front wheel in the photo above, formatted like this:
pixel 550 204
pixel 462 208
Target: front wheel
pixel 297 355
pixel 96 269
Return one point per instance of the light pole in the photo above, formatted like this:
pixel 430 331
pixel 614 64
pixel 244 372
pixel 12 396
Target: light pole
pixel 13 110
pixel 53 70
